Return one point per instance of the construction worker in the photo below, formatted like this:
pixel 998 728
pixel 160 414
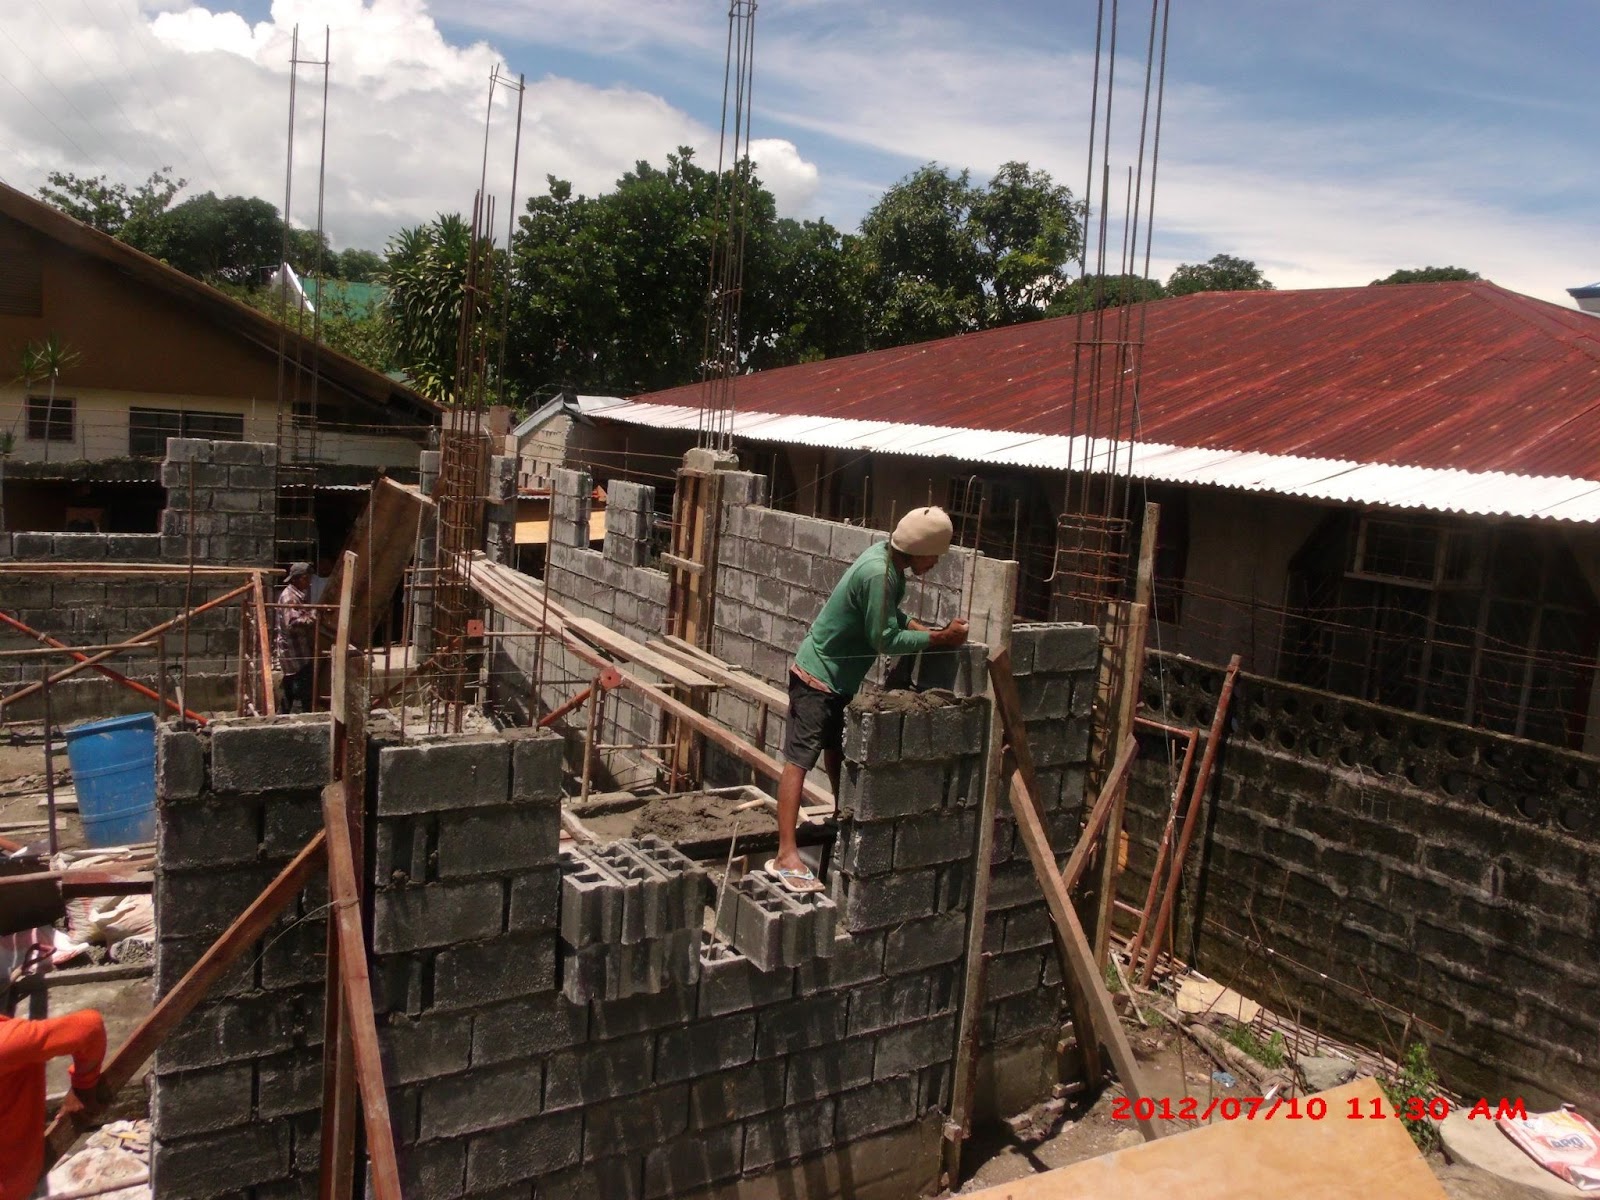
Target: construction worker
pixel 861 620
pixel 296 641
pixel 25 1048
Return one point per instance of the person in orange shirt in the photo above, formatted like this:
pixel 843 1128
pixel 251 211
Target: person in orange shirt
pixel 25 1047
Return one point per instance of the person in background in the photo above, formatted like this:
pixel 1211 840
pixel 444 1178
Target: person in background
pixel 860 621
pixel 25 1048
pixel 296 641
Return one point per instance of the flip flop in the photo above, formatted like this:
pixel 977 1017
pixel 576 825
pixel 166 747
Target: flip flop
pixel 800 881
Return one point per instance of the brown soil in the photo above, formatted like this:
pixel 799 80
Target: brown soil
pixel 22 790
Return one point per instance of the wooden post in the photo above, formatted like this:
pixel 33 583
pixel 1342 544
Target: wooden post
pixel 1197 799
pixel 1111 857
pixel 347 702
pixel 964 1070
pixel 1192 738
pixel 356 985
pixel 1096 1018
pixel 263 638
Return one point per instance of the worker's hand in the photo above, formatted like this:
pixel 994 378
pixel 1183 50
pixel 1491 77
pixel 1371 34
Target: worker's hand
pixel 953 634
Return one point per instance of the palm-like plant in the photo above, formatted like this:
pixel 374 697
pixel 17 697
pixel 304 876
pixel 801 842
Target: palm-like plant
pixel 46 360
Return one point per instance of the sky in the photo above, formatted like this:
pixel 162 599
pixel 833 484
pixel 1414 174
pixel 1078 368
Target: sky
pixel 1330 143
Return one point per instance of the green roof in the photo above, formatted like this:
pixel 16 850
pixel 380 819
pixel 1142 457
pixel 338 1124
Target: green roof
pixel 360 298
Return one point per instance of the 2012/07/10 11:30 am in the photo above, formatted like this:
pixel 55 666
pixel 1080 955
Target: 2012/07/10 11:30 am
pixel 1310 1108
pixel 1436 1108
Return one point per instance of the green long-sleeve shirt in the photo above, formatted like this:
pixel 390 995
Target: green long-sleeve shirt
pixel 861 620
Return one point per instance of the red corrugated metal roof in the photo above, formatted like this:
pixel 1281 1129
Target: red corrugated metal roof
pixel 1454 375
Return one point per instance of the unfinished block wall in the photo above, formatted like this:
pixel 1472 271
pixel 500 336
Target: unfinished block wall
pixel 1382 872
pixel 223 497
pixel 508 1073
pixel 231 520
pixel 1055 667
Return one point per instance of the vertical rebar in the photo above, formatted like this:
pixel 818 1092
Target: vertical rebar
pixel 49 766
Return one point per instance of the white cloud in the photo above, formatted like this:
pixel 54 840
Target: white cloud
pixel 205 91
pixel 789 177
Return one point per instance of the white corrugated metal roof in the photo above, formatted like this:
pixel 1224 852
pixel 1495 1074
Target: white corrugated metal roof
pixel 1487 493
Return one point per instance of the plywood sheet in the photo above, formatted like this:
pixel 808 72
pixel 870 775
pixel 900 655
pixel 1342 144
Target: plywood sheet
pixel 1336 1158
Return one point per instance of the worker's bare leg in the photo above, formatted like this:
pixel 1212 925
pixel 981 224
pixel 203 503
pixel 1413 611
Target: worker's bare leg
pixel 790 785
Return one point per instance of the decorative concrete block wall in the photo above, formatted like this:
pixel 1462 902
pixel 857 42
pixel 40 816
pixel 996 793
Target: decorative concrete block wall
pixel 1443 877
pixel 835 1059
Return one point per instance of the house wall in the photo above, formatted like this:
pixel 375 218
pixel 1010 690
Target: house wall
pixel 531 1044
pixel 138 346
pixel 1236 574
pixel 1388 877
pixel 542 452
pixel 101 425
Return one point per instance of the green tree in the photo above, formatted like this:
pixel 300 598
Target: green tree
pixel 46 360
pixel 609 291
pixel 426 274
pixel 816 307
pixel 234 239
pixel 1223 273
pixel 111 207
pixel 1031 229
pixel 924 260
pixel 1428 275
pixel 1094 292
pixel 365 336
pixel 941 256
pixel 357 266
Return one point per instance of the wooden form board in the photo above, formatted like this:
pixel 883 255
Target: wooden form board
pixel 385 539
pixel 1335 1158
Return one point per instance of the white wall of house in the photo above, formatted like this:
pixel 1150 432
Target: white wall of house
pixel 101 427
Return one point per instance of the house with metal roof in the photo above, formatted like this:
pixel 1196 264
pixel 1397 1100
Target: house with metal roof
pixel 1388 492
pixel 153 354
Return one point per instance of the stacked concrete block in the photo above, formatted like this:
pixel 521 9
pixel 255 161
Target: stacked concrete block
pixel 570 502
pixel 499 1083
pixel 221 501
pixel 1055 666
pixel 102 609
pixel 773 927
pixel 231 1086
pixel 630 516
pixel 631 913
pixel 1450 869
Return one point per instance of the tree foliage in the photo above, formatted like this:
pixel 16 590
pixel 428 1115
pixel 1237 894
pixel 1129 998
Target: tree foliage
pixel 941 256
pixel 111 207
pixel 426 273
pixel 609 291
pixel 1428 275
pixel 1223 273
pixel 1094 292
pixel 230 240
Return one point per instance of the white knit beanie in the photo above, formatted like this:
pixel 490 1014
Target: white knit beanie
pixel 923 531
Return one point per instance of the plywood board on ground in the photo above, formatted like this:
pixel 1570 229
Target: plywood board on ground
pixel 1335 1158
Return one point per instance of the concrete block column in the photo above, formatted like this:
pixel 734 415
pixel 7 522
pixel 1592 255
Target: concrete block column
pixel 223 497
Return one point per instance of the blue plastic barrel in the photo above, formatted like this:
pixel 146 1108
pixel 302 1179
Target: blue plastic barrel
pixel 114 772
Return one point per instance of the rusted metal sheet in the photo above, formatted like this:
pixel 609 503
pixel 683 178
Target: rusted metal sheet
pixel 1453 380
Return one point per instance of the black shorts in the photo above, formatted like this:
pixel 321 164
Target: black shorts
pixel 816 723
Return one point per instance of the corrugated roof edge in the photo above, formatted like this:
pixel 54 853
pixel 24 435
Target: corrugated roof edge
pixel 1431 489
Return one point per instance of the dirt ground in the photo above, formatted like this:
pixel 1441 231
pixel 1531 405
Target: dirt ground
pixel 22 818
pixel 1057 1135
